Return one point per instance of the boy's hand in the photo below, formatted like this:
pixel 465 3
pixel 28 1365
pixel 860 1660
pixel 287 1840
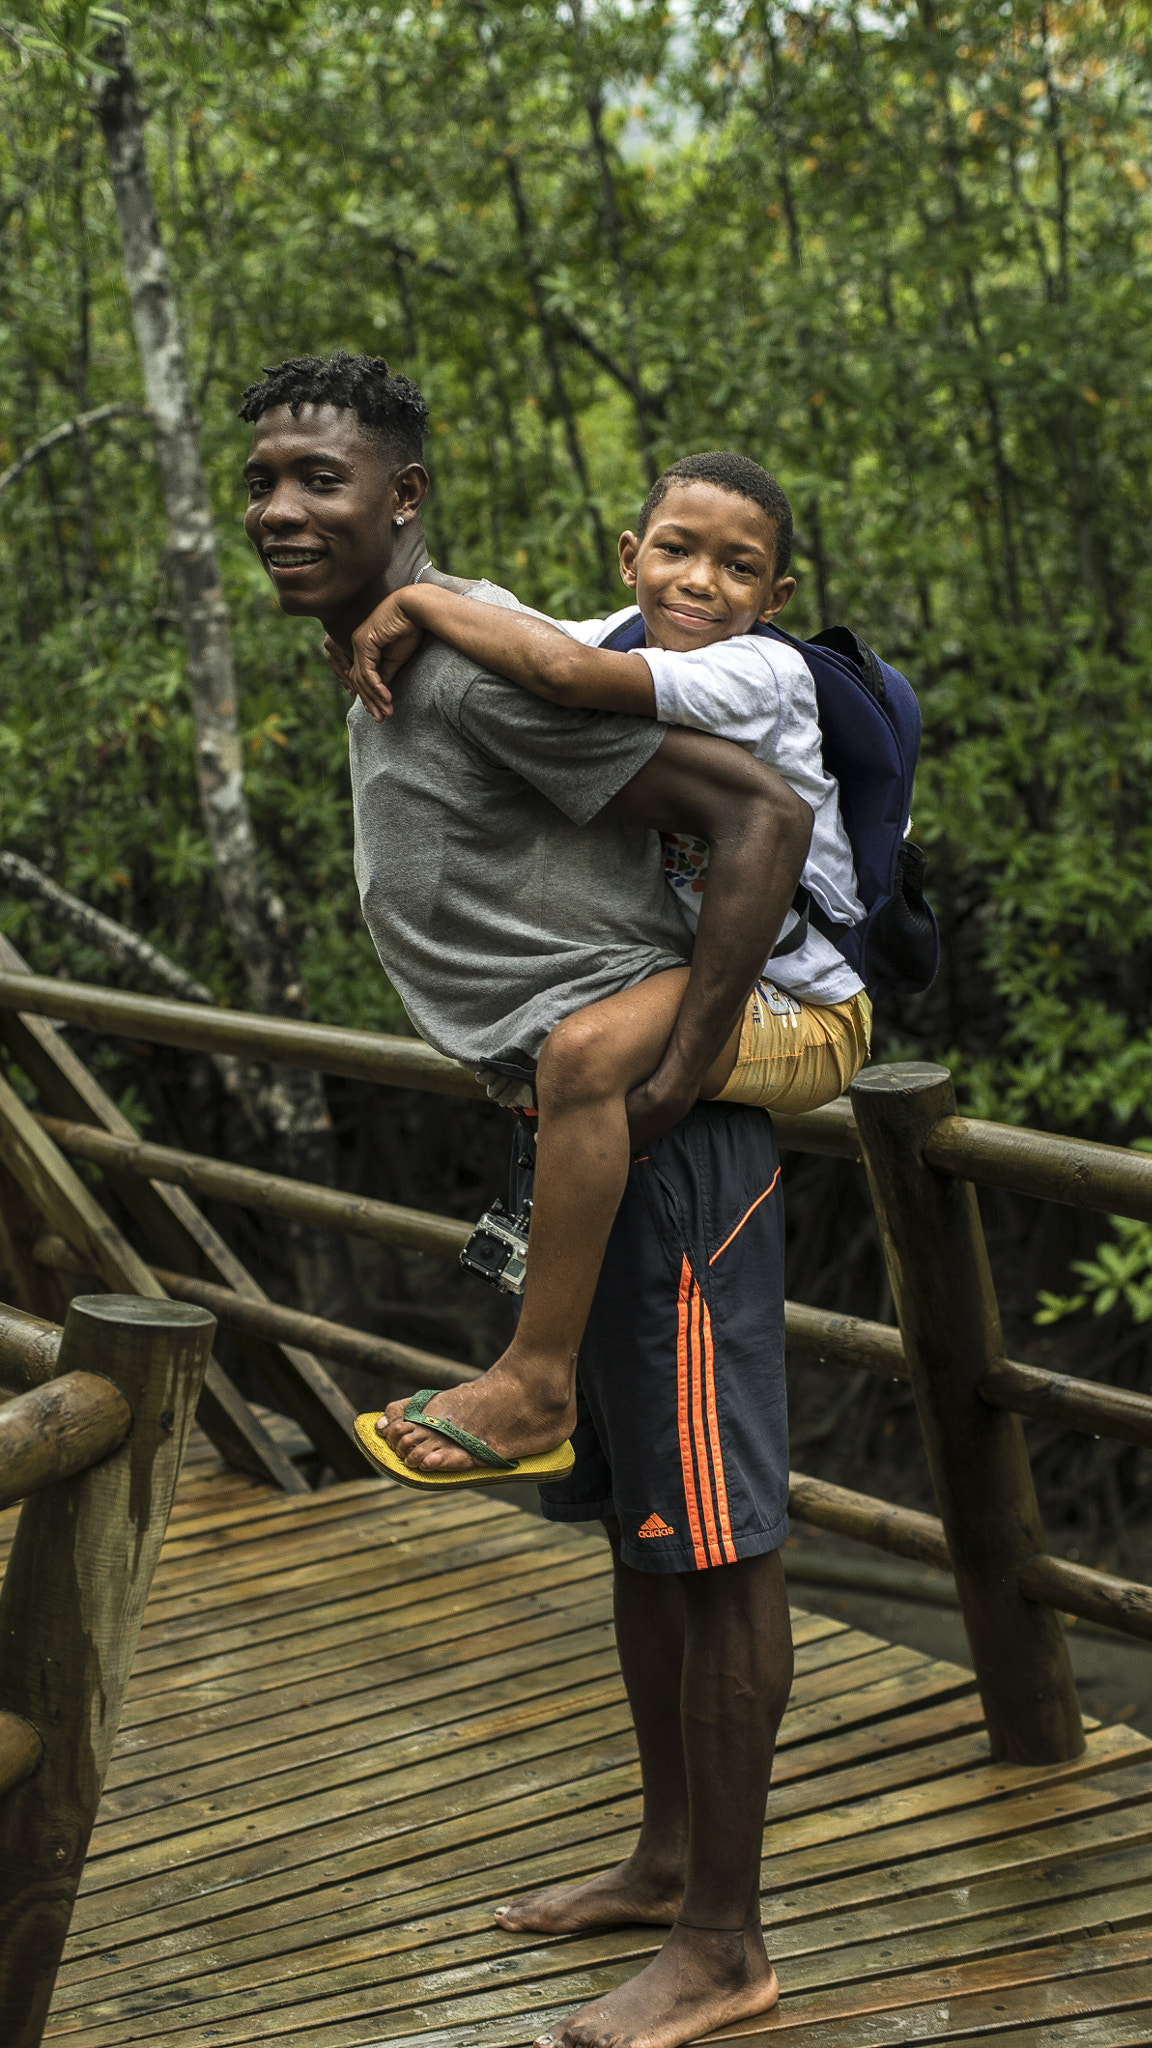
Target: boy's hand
pixel 380 646
pixel 653 1108
pixel 380 704
pixel 338 662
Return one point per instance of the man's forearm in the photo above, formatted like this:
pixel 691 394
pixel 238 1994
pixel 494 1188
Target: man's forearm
pixel 758 832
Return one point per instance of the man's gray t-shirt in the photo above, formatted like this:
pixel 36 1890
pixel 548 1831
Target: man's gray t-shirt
pixel 499 895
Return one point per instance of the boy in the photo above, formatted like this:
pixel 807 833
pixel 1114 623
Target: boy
pixel 709 559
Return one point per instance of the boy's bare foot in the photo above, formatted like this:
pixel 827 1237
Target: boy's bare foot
pixel 698 1982
pixel 623 1897
pixel 499 1408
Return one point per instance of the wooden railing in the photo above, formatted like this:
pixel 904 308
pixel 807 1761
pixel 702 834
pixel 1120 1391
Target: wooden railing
pixel 922 1160
pixel 91 1443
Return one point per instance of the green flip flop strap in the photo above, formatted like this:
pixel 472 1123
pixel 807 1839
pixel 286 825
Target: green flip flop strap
pixel 474 1445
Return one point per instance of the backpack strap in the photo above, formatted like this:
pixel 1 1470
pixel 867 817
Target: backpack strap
pixel 843 641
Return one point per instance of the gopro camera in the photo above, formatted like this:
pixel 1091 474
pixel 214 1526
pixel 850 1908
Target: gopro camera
pixel 497 1250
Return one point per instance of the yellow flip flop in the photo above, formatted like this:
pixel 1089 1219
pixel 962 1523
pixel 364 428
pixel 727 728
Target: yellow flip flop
pixel 490 1468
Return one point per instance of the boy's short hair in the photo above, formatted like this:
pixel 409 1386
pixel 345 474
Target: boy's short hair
pixel 390 407
pixel 735 473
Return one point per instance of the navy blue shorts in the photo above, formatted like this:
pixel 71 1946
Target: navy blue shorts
pixel 683 1422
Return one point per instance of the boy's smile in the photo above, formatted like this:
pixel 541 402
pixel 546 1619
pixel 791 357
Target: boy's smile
pixel 705 569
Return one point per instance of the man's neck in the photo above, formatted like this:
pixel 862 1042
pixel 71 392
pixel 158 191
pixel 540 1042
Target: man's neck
pixel 411 563
pixel 410 557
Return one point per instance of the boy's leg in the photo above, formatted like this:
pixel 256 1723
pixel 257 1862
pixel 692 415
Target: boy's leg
pixel 525 1403
pixel 793 1056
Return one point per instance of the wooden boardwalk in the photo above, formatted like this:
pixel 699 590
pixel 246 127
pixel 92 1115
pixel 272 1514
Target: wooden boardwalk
pixel 358 1720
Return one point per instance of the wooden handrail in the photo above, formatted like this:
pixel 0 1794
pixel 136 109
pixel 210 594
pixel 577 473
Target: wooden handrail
pixel 1056 1169
pixel 903 1531
pixel 1086 1405
pixel 28 1349
pixel 845 1340
pixel 1077 1404
pixel 323 1048
pixel 1055 1582
pixel 336 1341
pixel 179 1234
pixel 306 1201
pixel 58 1430
pixel 1093 1595
pixel 849 1340
pixel 1040 1163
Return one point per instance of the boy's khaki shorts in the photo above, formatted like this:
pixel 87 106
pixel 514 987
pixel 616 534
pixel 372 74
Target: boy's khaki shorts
pixel 795 1056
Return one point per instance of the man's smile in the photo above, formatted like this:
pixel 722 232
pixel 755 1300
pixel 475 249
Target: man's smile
pixel 287 558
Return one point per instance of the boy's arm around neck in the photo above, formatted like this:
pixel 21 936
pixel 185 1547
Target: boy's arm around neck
pixel 527 650
pixel 757 830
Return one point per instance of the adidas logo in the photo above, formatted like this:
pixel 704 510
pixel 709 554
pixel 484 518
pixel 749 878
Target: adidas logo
pixel 655 1527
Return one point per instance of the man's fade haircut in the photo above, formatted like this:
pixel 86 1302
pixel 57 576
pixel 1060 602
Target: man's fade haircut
pixel 390 407
pixel 735 473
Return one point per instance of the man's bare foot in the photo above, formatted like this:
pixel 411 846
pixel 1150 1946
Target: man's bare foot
pixel 698 1982
pixel 623 1897
pixel 516 1415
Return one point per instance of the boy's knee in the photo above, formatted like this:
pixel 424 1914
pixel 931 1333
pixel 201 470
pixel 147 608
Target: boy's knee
pixel 578 1063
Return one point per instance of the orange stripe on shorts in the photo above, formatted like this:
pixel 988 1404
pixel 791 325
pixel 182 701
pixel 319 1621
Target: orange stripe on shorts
pixel 747 1213
pixel 683 1414
pixel 714 1437
pixel 698 1397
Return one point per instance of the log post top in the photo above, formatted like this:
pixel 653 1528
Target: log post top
pixel 902 1077
pixel 142 1311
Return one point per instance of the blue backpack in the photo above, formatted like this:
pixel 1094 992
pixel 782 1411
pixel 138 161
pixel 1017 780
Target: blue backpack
pixel 870 733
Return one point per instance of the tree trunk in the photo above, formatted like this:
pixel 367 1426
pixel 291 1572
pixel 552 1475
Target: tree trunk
pixel 256 917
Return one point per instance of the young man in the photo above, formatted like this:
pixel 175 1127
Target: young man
pixel 709 560
pixel 511 873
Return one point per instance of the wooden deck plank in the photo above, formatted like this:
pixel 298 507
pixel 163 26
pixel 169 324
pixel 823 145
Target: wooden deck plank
pixel 388 1710
pixel 355 1627
pixel 952 1938
pixel 387 1902
pixel 1082 1975
pixel 491 1777
pixel 289 1912
pixel 1053 1983
pixel 301 1725
pixel 1110 1893
pixel 340 1678
pixel 1076 1820
pixel 330 1961
pixel 360 1718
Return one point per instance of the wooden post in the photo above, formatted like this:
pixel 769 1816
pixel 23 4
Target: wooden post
pixel 70 1613
pixel 942 1285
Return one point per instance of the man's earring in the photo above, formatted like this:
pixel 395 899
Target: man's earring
pixel 399 519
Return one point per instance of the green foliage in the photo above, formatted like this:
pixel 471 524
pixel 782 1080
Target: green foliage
pixel 1119 1275
pixel 904 259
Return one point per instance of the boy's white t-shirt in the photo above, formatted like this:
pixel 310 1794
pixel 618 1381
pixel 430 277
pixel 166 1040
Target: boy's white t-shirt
pixel 760 693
